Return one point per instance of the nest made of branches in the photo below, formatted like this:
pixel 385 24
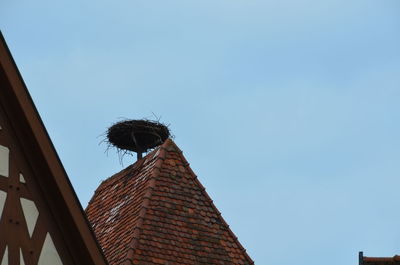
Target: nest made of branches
pixel 138 136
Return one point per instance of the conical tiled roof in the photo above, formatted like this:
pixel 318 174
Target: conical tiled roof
pixel 157 212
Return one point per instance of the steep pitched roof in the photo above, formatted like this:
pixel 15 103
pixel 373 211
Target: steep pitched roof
pixel 37 198
pixel 157 212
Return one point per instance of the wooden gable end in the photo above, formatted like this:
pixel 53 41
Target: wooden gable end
pixel 29 234
pixel 41 219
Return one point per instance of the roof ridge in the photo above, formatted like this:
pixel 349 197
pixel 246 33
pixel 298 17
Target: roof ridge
pixel 204 192
pixel 134 243
pixel 120 175
pixel 111 180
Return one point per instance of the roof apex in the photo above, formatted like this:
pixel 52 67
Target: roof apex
pixel 159 212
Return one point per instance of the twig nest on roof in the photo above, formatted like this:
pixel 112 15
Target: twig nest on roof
pixel 137 135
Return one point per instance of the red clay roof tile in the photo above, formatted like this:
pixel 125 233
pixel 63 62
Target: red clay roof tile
pixel 157 212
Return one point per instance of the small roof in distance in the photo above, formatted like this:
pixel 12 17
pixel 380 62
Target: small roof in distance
pixel 378 260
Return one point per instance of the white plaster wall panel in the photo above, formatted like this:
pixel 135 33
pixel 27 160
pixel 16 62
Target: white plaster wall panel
pixel 21 257
pixel 49 254
pixel 21 178
pixel 4 160
pixel 3 197
pixel 31 214
pixel 4 260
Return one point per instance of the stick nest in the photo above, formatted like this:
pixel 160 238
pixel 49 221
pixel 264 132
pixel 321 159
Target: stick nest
pixel 138 136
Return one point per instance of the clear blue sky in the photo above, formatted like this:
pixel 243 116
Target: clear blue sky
pixel 287 110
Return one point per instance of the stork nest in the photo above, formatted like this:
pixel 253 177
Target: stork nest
pixel 137 135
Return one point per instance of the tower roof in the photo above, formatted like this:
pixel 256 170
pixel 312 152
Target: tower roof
pixel 157 212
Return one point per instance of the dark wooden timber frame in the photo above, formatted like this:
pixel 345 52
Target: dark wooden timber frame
pixel 37 149
pixel 14 231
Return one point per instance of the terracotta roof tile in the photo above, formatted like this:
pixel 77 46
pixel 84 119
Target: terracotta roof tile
pixel 157 212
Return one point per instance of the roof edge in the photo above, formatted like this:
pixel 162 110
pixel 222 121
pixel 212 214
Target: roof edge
pixel 203 190
pixel 395 258
pixel 41 137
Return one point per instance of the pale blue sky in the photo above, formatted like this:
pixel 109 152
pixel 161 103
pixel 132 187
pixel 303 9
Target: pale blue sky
pixel 288 111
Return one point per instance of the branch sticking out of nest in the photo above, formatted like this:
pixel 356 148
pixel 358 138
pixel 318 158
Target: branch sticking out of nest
pixel 137 136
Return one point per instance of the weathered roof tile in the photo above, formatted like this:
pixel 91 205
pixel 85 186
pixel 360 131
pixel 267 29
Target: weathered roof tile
pixel 157 212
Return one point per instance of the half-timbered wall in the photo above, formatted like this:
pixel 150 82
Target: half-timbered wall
pixel 28 234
